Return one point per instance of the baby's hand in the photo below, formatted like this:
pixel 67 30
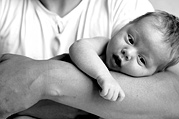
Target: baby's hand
pixel 111 90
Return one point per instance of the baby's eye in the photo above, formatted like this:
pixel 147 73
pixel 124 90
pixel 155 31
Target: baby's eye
pixel 130 39
pixel 142 60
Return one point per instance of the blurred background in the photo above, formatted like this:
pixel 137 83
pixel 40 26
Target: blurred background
pixel 171 6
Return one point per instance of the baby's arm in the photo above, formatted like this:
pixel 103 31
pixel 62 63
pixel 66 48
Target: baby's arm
pixel 85 54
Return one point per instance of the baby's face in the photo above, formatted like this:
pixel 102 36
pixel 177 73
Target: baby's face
pixel 138 49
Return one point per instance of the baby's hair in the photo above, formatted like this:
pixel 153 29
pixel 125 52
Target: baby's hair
pixel 168 24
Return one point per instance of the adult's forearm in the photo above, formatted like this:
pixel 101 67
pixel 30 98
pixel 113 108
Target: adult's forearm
pixel 155 96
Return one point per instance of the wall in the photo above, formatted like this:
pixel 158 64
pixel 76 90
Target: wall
pixel 171 6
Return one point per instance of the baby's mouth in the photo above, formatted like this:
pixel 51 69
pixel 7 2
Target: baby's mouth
pixel 117 60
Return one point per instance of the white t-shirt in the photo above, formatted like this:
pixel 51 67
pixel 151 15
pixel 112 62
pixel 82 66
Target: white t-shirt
pixel 28 28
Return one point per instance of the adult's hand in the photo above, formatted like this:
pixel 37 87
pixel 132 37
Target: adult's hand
pixel 17 90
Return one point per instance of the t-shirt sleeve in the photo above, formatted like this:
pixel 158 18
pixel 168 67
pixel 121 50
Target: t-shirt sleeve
pixel 8 10
pixel 4 9
pixel 123 11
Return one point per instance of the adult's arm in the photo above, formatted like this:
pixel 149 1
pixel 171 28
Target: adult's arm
pixel 25 81
pixel 154 97
pixel 20 83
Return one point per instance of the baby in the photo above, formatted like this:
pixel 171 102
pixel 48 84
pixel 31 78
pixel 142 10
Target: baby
pixel 146 45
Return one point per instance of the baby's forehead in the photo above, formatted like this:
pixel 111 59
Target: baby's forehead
pixel 153 21
pixel 152 40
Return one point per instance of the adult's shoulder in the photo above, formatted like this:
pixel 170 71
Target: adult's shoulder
pixel 12 11
pixel 123 11
pixel 135 4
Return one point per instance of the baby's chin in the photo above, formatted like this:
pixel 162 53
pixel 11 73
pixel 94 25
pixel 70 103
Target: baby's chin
pixel 130 73
pixel 136 74
pixel 116 69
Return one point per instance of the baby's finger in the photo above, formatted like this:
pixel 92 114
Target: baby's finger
pixel 104 92
pixel 109 95
pixel 121 95
pixel 115 96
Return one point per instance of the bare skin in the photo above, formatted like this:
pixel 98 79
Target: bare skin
pixel 61 7
pixel 151 97
pixel 24 82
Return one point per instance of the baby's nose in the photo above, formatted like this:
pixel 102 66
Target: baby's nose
pixel 126 54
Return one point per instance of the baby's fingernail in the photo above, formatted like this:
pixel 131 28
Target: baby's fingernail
pixel 122 96
pixel 121 99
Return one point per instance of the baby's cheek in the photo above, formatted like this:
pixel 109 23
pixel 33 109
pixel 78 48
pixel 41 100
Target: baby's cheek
pixel 133 71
